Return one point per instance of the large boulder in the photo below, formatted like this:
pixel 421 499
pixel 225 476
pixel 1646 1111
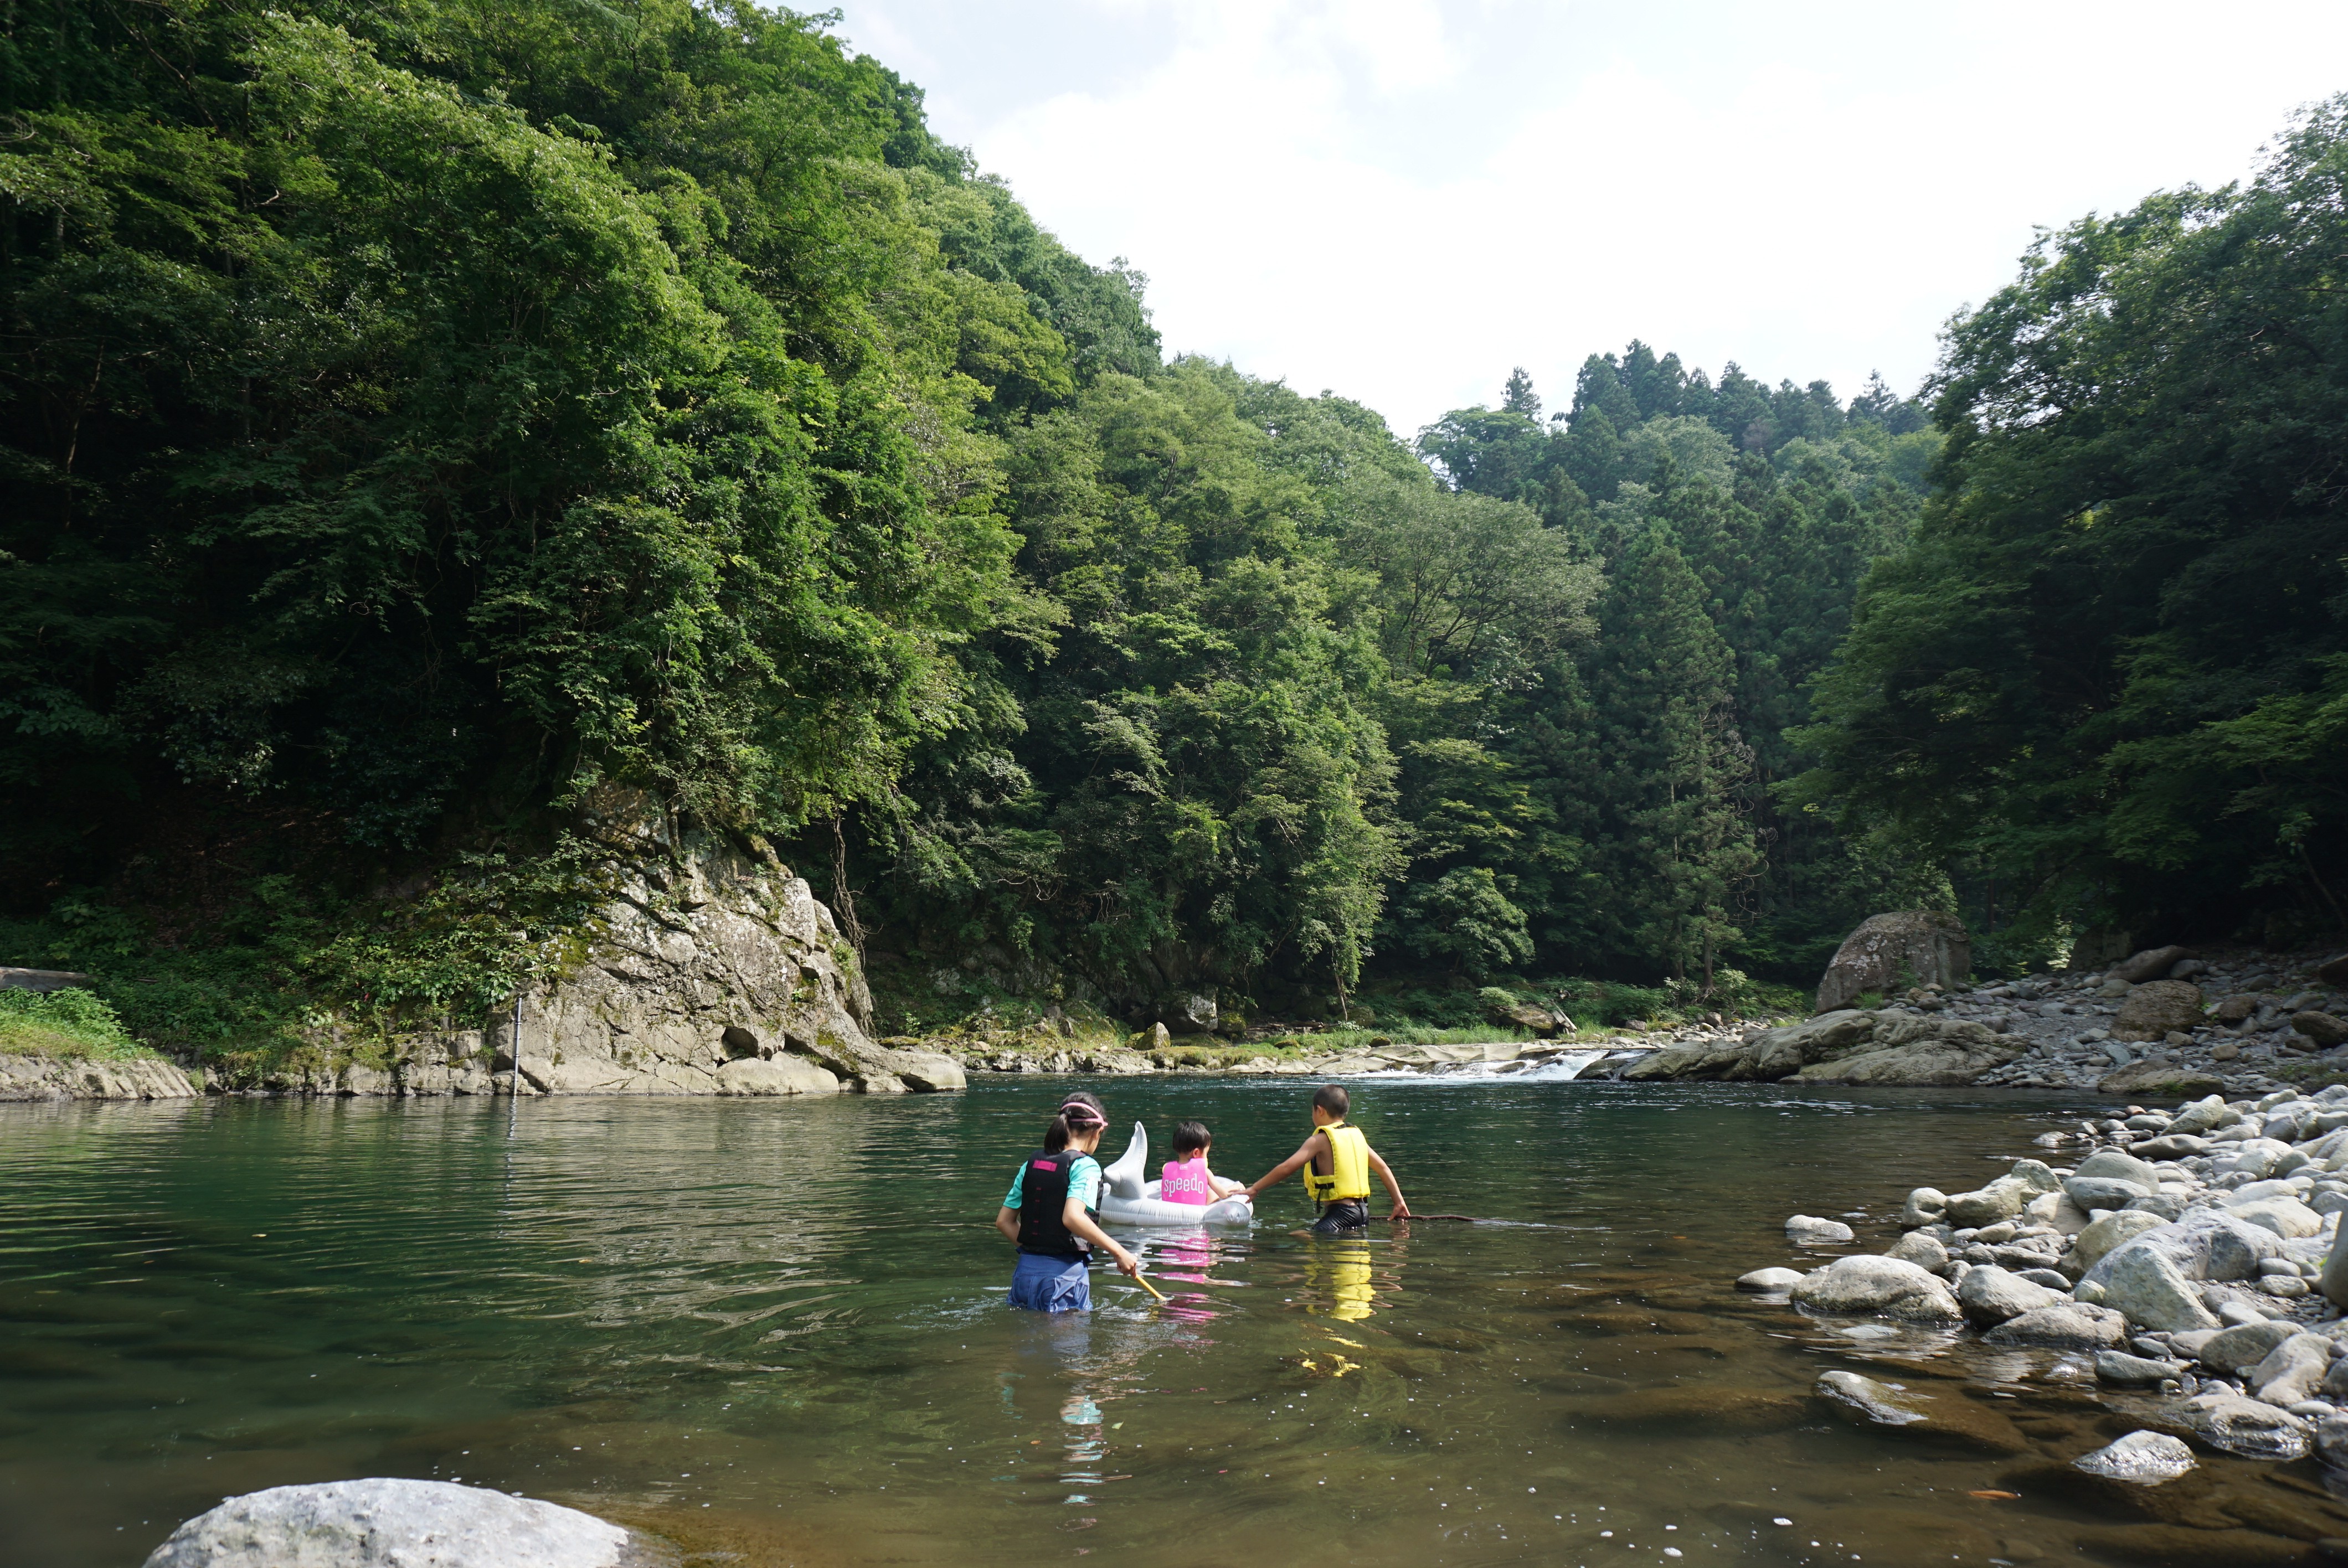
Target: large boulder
pixel 2110 1232
pixel 2001 1199
pixel 2159 1078
pixel 2154 1009
pixel 2334 1280
pixel 1891 952
pixel 2238 1349
pixel 2122 1166
pixel 1700 1059
pixel 389 1523
pixel 2145 1284
pixel 2323 1028
pixel 2238 1425
pixel 2063 1326
pixel 2292 1371
pixel 1781 1052
pixel 1881 1286
pixel 2149 965
pixel 2204 1245
pixel 1911 1053
pixel 1989 1295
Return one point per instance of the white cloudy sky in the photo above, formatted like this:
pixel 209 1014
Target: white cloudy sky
pixel 1401 199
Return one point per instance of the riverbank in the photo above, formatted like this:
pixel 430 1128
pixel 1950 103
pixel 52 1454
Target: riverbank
pixel 2184 1268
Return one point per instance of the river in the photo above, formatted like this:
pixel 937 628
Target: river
pixel 773 1331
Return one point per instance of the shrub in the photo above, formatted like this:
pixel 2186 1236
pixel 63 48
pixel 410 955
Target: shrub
pixel 69 1022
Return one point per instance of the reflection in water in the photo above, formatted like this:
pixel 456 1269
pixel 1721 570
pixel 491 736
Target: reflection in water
pixel 774 1331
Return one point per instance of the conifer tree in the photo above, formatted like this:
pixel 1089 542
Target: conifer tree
pixel 1665 769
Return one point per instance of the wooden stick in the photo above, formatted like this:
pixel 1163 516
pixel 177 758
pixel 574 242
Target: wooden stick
pixel 1144 1282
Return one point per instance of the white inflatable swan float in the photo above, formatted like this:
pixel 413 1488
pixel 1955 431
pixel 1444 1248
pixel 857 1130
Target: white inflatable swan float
pixel 1126 1197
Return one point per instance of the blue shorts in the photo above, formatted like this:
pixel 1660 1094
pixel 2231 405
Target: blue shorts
pixel 1043 1283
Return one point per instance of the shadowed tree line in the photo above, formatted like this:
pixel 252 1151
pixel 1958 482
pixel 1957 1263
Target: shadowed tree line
pixel 438 429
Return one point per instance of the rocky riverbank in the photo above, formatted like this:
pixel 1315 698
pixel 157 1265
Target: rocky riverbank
pixel 2187 1263
pixel 2163 1022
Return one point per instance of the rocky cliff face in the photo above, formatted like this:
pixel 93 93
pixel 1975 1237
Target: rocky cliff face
pixel 80 1078
pixel 712 970
pixel 715 974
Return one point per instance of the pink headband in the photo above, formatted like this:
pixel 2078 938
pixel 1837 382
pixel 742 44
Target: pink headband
pixel 1080 1114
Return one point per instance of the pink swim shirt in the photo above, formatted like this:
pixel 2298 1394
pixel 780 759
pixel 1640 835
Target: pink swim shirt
pixel 1185 1181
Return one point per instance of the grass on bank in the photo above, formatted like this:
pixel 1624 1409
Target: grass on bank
pixel 72 1024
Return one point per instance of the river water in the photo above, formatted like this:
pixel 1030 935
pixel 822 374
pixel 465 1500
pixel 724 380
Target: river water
pixel 773 1331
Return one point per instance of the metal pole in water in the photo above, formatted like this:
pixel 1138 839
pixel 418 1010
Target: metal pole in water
pixel 513 1087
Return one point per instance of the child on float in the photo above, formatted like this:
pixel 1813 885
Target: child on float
pixel 1185 1178
pixel 1050 1213
pixel 1337 1162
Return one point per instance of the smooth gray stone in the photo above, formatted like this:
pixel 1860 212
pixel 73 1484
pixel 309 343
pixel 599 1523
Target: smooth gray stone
pixel 2247 1426
pixel 1921 1249
pixel 1989 1295
pixel 2118 1166
pixel 2332 1441
pixel 2119 1367
pixel 1811 1228
pixel 2236 1350
pixel 2093 1193
pixel 2147 1459
pixel 1884 1286
pixel 2292 1370
pixel 2070 1326
pixel 392 1523
pixel 1769 1279
pixel 2051 1279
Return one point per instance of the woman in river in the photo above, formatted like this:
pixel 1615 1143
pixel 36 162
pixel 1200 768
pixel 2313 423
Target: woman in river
pixel 1050 1213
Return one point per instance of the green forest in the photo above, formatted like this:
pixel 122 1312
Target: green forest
pixel 433 428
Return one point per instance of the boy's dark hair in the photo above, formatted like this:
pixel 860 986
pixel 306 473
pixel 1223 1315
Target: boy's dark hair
pixel 1080 1110
pixel 1332 1098
pixel 1189 1137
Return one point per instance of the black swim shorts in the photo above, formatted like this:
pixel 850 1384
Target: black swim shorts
pixel 1345 1215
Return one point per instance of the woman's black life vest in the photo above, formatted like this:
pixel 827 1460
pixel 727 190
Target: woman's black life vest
pixel 1042 1202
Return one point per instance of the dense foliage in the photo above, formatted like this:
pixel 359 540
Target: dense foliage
pixel 438 429
pixel 2109 682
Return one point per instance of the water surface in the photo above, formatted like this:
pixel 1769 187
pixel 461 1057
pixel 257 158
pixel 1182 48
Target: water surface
pixel 773 1331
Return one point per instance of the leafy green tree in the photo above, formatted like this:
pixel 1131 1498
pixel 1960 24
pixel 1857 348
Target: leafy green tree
pixel 2096 676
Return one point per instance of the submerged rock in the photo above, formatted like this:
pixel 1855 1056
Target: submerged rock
pixel 2148 1458
pixel 1883 1286
pixel 1940 1414
pixel 2119 1367
pixel 2237 1425
pixel 389 1523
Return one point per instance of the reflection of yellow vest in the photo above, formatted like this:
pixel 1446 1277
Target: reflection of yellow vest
pixel 1349 1166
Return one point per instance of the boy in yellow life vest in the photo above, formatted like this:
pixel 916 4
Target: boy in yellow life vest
pixel 1337 1162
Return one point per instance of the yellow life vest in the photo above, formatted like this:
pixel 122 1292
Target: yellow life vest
pixel 1349 1166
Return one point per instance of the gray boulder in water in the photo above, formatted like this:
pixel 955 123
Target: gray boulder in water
pixel 1883 1287
pixel 392 1523
pixel 2240 1425
pixel 2147 1459
pixel 1811 1228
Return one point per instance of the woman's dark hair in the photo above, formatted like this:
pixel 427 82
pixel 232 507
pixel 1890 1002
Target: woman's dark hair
pixel 1189 1137
pixel 1080 1112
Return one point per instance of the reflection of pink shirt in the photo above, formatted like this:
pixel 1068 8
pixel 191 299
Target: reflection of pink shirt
pixel 1185 1181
